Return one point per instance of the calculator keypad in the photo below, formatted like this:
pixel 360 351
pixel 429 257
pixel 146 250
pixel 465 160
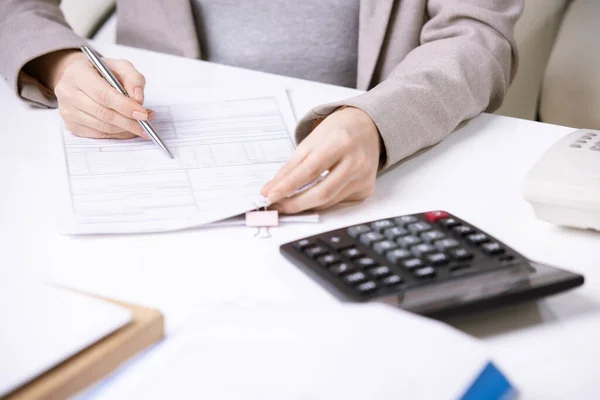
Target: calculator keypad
pixel 391 255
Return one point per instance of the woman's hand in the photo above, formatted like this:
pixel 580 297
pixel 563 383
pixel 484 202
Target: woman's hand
pixel 89 106
pixel 346 143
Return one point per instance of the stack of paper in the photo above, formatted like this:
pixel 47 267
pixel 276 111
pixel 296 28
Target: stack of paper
pixel 348 352
pixel 225 146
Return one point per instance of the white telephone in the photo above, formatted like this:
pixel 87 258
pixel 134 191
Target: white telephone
pixel 564 185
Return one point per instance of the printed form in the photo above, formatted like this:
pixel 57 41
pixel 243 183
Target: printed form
pixel 225 148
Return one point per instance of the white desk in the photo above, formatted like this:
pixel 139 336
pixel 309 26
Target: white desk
pixel 549 349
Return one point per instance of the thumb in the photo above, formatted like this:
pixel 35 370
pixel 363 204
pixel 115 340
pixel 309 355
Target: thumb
pixel 133 81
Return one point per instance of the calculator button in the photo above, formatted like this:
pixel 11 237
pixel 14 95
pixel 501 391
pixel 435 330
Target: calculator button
pixel 355 231
pixel 341 268
pixel 405 220
pixel 365 262
pixel 492 248
pixel 449 222
pixel 445 244
pixel 382 225
pixel 434 216
pixel 506 259
pixel 367 286
pixel 395 232
pixel 422 249
pixel 328 259
pixel 339 242
pixel 396 255
pixel 477 238
pixel 426 272
pixel 460 254
pixel 355 277
pixel 437 258
pixel 384 245
pixel 577 146
pixel 431 236
pixel 391 280
pixel 407 241
pixel 418 227
pixel 378 272
pixel 371 237
pixel 463 230
pixel 352 253
pixel 412 263
pixel 304 243
pixel 315 251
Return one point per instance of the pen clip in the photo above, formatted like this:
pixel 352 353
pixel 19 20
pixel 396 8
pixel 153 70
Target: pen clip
pixel 103 69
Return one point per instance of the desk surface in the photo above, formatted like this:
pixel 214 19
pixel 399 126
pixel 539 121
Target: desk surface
pixel 548 348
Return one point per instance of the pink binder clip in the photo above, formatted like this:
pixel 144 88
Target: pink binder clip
pixel 263 220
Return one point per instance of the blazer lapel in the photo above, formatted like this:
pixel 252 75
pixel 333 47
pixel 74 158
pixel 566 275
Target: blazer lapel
pixel 373 22
pixel 182 26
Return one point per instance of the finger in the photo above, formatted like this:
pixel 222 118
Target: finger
pixel 133 81
pixel 266 188
pixel 107 117
pixel 323 193
pixel 350 194
pixel 105 95
pixel 151 114
pixel 87 132
pixel 300 155
pixel 296 159
pixel 81 118
pixel 317 161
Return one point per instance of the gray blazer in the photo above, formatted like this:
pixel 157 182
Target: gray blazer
pixel 428 65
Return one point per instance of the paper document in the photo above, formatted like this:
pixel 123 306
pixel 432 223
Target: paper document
pixel 369 351
pixel 225 148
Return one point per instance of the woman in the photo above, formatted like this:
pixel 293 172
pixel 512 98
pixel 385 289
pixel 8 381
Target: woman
pixel 427 65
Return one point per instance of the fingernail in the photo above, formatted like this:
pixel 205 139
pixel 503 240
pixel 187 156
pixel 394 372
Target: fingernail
pixel 139 115
pixel 138 93
pixel 151 114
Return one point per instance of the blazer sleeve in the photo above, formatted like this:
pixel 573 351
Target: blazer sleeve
pixel 30 29
pixel 463 66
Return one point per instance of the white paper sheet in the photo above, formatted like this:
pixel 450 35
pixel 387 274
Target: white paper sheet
pixel 349 352
pixel 226 146
pixel 240 220
pixel 44 325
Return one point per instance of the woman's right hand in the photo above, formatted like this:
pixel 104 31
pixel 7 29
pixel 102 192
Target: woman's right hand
pixel 90 106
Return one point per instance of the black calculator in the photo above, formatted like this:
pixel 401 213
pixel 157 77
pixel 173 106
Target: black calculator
pixel 431 263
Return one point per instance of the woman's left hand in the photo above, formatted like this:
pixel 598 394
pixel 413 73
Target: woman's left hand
pixel 346 143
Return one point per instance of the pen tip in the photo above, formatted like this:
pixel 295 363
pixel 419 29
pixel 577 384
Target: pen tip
pixel 167 152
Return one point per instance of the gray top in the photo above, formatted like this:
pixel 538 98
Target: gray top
pixel 309 39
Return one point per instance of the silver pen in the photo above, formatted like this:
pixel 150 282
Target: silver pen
pixel 107 74
pixel 309 185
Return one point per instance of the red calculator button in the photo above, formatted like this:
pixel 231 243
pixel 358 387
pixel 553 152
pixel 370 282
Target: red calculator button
pixel 433 216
